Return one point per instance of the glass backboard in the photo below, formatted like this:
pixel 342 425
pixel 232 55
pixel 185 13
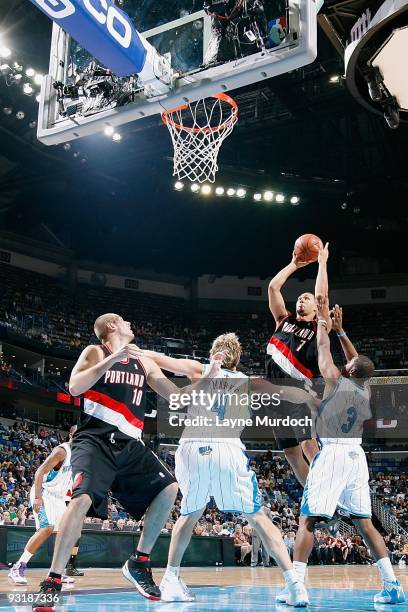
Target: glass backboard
pixel 211 46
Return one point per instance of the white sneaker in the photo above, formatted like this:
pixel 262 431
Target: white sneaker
pixel 298 597
pixel 67 579
pixel 282 596
pixel 173 589
pixel 16 573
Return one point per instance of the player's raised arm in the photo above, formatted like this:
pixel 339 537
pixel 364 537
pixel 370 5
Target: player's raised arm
pixel 188 367
pixel 346 344
pixel 326 364
pixel 56 458
pixel 276 302
pixel 294 395
pixel 322 283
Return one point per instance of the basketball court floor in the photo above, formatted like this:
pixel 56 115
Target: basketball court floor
pixel 331 588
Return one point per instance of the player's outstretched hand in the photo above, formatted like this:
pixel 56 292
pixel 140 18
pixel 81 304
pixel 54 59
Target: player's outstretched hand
pixel 215 365
pixel 337 318
pixel 37 503
pixel 130 351
pixel 323 254
pixel 298 263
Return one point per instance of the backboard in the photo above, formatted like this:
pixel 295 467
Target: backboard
pixel 231 44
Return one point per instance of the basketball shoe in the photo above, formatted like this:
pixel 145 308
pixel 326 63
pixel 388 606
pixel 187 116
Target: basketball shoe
pixel 392 593
pixel 139 572
pixel 16 573
pixel 173 588
pixel 295 595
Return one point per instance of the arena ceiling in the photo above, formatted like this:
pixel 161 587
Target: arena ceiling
pixel 301 133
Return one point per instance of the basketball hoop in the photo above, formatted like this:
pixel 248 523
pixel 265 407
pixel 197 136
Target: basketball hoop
pixel 198 130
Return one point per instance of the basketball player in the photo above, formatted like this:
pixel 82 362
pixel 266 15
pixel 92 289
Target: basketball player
pixel 292 353
pixel 211 461
pixel 339 473
pixel 108 452
pixel 51 482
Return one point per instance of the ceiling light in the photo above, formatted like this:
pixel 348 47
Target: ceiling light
pixel 7 110
pixel 116 137
pixel 5 52
pixel 268 196
pixel 241 193
pixel 294 200
pixel 335 78
pixel 178 186
pixel 280 198
pixel 206 189
pixel 257 197
pixel 30 72
pixel 194 187
pixel 219 191
pixel 38 79
pixel 109 130
pixel 230 192
pixel 27 89
pixel 20 115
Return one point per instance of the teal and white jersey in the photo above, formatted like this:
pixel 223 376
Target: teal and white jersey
pixel 222 416
pixel 58 482
pixel 341 416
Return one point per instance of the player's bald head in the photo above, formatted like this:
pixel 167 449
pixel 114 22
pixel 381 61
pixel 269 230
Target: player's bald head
pixel 103 325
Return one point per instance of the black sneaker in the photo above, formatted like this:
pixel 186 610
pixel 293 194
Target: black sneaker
pixel 140 574
pixel 71 570
pixel 51 589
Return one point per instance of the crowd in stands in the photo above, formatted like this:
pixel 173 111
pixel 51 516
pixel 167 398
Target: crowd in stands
pixel 44 310
pixel 24 447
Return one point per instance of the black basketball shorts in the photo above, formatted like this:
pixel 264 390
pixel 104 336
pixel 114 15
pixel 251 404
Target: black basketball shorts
pixel 129 469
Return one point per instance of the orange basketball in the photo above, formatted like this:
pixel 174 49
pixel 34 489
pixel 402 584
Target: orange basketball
pixel 307 247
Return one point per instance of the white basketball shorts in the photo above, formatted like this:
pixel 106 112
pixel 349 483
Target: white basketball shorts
pixel 51 512
pixel 218 469
pixel 338 476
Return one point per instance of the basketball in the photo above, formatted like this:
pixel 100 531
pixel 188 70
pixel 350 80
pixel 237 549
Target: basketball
pixel 307 247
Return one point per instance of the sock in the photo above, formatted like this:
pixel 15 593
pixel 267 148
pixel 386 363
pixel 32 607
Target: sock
pixel 141 556
pixel 25 557
pixel 173 571
pixel 300 569
pixel 291 577
pixel 56 577
pixel 386 571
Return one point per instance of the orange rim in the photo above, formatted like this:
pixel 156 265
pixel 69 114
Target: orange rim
pixel 167 119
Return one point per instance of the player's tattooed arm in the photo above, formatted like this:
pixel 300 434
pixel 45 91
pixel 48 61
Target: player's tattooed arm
pixel 188 367
pixel 55 459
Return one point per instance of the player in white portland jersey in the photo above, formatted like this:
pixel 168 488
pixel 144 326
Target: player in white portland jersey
pixel 211 461
pixel 338 475
pixel 47 497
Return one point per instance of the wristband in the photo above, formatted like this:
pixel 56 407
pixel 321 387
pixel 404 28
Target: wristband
pixel 341 334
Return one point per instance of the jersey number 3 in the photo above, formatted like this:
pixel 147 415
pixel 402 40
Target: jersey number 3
pixel 352 418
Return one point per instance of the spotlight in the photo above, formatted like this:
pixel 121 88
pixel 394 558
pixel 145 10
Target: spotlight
pixel 17 77
pixel 178 186
pixel 335 78
pixel 7 110
pixel 27 89
pixel 219 191
pixel 294 200
pixel 374 80
pixel 230 192
pixel 76 154
pixel 194 187
pixel 5 68
pixel 257 197
pixel 32 125
pixel 17 67
pixel 241 193
pixel 280 198
pixel 38 79
pixel 391 113
pixel 30 72
pixel 67 146
pixel 116 137
pixel 268 196
pixel 20 115
pixel 206 189
pixel 109 130
pixel 344 206
pixel 5 52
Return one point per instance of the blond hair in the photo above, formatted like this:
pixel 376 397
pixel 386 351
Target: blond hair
pixel 231 346
pixel 101 325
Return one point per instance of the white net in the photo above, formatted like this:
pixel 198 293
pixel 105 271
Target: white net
pixel 198 131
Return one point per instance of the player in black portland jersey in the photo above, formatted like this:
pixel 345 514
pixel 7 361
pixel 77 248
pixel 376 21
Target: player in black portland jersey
pixel 108 452
pixel 292 353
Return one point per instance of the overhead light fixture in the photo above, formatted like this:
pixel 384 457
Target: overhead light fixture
pixel 178 186
pixel 257 197
pixel 280 198
pixel 335 78
pixel 268 196
pixel 20 115
pixel 294 200
pixel 67 146
pixel 241 193
pixel 219 191
pixel 27 89
pixel 38 79
pixel 230 192
pixel 30 72
pixel 32 125
pixel 18 67
pixel 7 110
pixel 5 52
pixel 17 77
pixel 116 137
pixel 194 187
pixel 109 130
pixel 206 189
pixel 5 68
